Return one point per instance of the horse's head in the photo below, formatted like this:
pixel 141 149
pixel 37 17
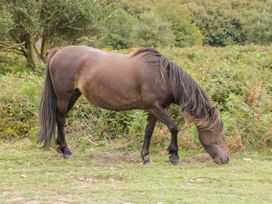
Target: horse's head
pixel 215 144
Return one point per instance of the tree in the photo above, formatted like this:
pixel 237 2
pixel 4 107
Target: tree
pixel 117 30
pixel 258 27
pixel 152 31
pixel 174 12
pixel 25 22
pixel 221 26
pixel 186 33
pixel 228 22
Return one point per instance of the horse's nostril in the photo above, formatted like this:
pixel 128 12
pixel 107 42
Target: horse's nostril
pixel 226 160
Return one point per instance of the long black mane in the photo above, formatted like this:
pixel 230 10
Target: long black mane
pixel 192 99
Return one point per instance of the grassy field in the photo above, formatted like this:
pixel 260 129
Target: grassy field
pixel 108 175
pixel 106 167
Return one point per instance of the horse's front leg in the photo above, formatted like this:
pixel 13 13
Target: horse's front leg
pixel 161 115
pixel 151 122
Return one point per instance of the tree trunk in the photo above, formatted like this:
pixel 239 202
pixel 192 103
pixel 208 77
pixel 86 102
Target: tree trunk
pixel 30 52
pixel 44 47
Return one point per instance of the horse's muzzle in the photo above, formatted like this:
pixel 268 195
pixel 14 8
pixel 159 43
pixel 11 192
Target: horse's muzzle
pixel 221 160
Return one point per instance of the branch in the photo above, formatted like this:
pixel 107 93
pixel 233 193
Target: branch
pixel 12 47
pixel 70 27
pixel 44 47
pixel 14 51
pixel 36 50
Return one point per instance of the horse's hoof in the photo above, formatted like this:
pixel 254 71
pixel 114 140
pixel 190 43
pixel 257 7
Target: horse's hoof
pixel 68 156
pixel 146 160
pixel 175 162
pixel 59 150
pixel 174 159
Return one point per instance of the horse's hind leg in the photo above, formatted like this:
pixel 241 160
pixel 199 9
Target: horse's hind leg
pixel 76 94
pixel 63 107
pixel 151 122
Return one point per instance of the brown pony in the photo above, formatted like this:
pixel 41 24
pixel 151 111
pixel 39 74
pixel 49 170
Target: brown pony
pixel 144 80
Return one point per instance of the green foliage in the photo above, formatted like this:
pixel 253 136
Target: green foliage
pixel 136 7
pixel 230 22
pixel 239 83
pixel 152 31
pixel 186 33
pixel 11 63
pixel 19 103
pixel 117 31
pixel 74 19
pixel 5 23
pixel 237 79
pixel 30 27
pixel 220 27
pixel 216 23
pixel 49 22
pixel 257 26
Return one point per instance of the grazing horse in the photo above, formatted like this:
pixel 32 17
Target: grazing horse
pixel 143 80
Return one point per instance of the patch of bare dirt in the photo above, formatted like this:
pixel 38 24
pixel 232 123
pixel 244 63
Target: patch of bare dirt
pixel 90 180
pixel 200 180
pixel 15 199
pixel 265 181
pixel 197 158
pixel 114 157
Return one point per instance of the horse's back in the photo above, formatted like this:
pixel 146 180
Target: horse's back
pixel 111 81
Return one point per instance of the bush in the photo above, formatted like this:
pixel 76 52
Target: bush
pixel 257 27
pixel 152 31
pixel 186 33
pixel 220 27
pixel 12 63
pixel 232 22
pixel 118 31
pixel 238 81
pixel 19 103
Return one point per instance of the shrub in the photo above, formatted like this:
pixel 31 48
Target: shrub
pixel 257 27
pixel 12 63
pixel 152 31
pixel 117 33
pixel 237 79
pixel 232 22
pixel 220 27
pixel 19 103
pixel 186 33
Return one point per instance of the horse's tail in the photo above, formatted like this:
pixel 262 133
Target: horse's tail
pixel 48 109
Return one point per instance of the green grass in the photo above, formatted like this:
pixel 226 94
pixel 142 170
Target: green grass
pixel 108 175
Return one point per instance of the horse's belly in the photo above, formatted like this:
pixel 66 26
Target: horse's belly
pixel 113 101
pixel 112 96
